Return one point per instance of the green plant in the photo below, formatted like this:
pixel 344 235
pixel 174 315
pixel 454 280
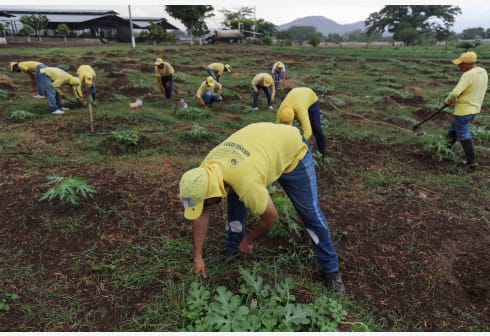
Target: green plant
pixel 440 149
pixel 21 115
pixel 3 93
pixel 126 137
pixel 288 219
pixel 192 113
pixel 67 189
pixel 259 307
pixel 5 300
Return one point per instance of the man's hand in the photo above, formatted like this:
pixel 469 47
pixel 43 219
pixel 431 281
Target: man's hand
pixel 246 246
pixel 199 267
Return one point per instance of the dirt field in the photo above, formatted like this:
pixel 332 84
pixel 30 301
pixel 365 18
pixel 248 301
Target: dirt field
pixel 416 255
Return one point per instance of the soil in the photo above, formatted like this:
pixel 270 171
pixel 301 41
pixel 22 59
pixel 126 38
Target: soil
pixel 409 252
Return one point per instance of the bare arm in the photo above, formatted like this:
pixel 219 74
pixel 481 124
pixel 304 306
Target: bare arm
pixel 199 230
pixel 267 220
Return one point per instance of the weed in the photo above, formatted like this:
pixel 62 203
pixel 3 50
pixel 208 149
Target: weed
pixel 21 115
pixel 5 300
pixel 440 149
pixel 288 219
pixel 3 93
pixel 63 66
pixel 125 137
pixel 259 307
pixel 119 97
pixel 67 189
pixel 192 113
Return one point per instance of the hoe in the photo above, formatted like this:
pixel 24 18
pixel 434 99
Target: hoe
pixel 418 130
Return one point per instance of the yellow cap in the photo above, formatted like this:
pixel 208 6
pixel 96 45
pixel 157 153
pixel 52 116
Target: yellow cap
pixel 210 81
pixel 74 81
pixel 280 65
pixel 89 80
pixel 268 81
pixel 467 57
pixel 12 64
pixel 228 67
pixel 158 61
pixel 285 115
pixel 193 191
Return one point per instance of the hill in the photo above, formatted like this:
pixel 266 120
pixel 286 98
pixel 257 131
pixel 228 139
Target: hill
pixel 324 25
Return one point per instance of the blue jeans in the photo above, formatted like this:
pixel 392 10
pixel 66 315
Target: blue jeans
pixel 38 82
pixel 212 74
pixel 301 187
pixel 54 100
pixel 93 90
pixel 210 97
pixel 316 126
pixel 277 78
pixel 267 93
pixel 461 125
pixel 167 90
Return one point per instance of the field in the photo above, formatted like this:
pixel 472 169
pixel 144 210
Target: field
pixel 410 224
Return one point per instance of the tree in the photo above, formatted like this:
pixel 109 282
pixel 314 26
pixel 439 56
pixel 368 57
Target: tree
pixel 26 30
pixel 244 18
pixel 426 20
pixel 36 22
pixel 191 16
pixel 473 33
pixel 63 30
pixel 315 39
pixel 300 33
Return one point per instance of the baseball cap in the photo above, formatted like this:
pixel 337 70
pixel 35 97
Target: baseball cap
pixel 210 81
pixel 228 67
pixel 12 64
pixel 285 115
pixel 193 191
pixel 158 61
pixel 279 64
pixel 467 57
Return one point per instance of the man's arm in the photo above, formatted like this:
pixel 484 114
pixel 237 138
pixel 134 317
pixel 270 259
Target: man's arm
pixel 457 91
pixel 304 120
pixel 267 220
pixel 199 230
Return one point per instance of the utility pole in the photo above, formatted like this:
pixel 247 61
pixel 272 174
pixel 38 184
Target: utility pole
pixel 133 43
pixel 255 22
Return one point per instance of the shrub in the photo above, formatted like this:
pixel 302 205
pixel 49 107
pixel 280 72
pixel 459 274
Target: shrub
pixel 126 137
pixel 21 115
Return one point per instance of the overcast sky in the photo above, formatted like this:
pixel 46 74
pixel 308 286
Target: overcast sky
pixel 475 13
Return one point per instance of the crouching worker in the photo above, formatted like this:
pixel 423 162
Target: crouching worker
pixel 165 77
pixel 87 81
pixel 264 82
pixel 241 168
pixel 51 80
pixel 31 68
pixel 209 92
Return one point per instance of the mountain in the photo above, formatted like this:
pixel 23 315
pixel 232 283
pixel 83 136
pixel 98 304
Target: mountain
pixel 324 25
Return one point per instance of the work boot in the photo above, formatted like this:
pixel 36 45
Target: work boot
pixel 451 138
pixel 333 281
pixel 228 256
pixel 469 152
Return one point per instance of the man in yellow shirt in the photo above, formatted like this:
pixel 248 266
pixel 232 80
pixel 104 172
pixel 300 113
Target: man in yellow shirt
pixel 241 168
pixel 302 104
pixel 215 70
pixel 265 82
pixel 467 98
pixel 209 92
pixel 87 81
pixel 51 80
pixel 165 77
pixel 31 68
pixel 279 73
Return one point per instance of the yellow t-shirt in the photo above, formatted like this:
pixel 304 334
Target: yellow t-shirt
pixel 264 79
pixel 87 75
pixel 58 78
pixel 28 66
pixel 165 71
pixel 219 68
pixel 255 157
pixel 469 92
pixel 216 88
pixel 300 99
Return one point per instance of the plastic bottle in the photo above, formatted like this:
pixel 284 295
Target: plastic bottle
pixel 182 103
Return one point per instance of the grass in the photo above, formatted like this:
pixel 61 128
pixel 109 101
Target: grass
pixel 130 259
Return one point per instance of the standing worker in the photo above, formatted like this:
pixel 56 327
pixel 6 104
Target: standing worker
pixel 51 80
pixel 87 81
pixel 467 98
pixel 31 68
pixel 165 77
pixel 279 73
pixel 302 104
pixel 215 70
pixel 265 82
pixel 241 168
pixel 209 92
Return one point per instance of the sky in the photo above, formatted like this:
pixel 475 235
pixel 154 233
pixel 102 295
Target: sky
pixel 476 13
